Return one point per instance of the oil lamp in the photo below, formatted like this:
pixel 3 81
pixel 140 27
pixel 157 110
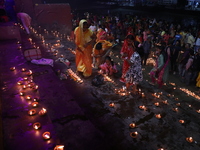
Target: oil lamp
pixel 42 112
pixel 142 107
pixel 35 104
pixel 23 69
pixel 25 78
pixel 165 102
pixel 189 139
pixel 112 104
pixel 181 121
pixel 21 93
pixel 198 111
pixel 158 116
pixel 35 87
pixel 46 135
pixel 29 73
pixel 28 97
pixel 134 134
pixel 143 95
pixel 59 147
pixel 132 125
pixel 175 109
pixel 35 99
pixel 24 86
pixel 156 104
pixel 36 125
pixel 19 82
pixel 12 68
pixel 32 112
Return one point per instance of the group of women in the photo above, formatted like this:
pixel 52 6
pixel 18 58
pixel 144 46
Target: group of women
pixel 85 40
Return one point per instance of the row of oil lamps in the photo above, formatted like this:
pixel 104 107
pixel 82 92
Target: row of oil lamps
pixel 74 76
pixel 28 82
pixel 25 84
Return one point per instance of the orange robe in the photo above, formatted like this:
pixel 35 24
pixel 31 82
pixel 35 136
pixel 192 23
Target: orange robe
pixel 84 58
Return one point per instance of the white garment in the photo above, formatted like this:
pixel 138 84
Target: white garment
pixel 93 28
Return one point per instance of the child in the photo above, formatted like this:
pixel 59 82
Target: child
pixel 108 68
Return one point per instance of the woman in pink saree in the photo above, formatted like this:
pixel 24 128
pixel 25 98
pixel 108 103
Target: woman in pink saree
pixel 159 72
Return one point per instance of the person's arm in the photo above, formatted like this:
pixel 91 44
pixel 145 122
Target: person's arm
pixel 161 62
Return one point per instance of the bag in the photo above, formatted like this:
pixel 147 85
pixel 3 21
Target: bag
pixel 98 80
pixel 31 54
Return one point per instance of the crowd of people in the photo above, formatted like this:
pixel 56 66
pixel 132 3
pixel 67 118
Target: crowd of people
pixel 176 48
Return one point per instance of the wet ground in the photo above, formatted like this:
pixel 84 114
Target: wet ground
pixel 79 115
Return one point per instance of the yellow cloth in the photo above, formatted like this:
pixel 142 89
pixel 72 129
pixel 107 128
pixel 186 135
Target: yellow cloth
pixel 198 80
pixel 105 46
pixel 84 58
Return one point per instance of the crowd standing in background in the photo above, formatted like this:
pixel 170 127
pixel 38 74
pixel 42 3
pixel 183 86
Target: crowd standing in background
pixel 175 46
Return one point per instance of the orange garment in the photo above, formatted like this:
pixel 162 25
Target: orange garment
pixel 98 54
pixel 84 58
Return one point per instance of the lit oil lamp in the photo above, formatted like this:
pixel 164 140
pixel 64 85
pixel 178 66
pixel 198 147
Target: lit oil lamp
pixel 132 125
pixel 46 135
pixel 139 91
pixel 189 105
pixel 20 82
pixel 189 139
pixel 23 69
pixel 156 104
pixel 158 116
pixel 178 104
pixel 134 134
pixel 112 104
pixel 143 95
pixel 198 111
pixel 29 73
pixel 59 147
pixel 161 149
pixel 21 93
pixel 12 68
pixel 181 121
pixel 28 97
pixel 35 88
pixel 25 78
pixel 35 104
pixel 175 109
pixel 32 112
pixel 24 86
pixel 42 112
pixel 142 107
pixel 165 102
pixel 35 99
pixel 36 125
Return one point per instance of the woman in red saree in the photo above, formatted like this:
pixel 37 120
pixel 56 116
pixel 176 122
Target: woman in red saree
pixel 126 52
pixel 84 39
